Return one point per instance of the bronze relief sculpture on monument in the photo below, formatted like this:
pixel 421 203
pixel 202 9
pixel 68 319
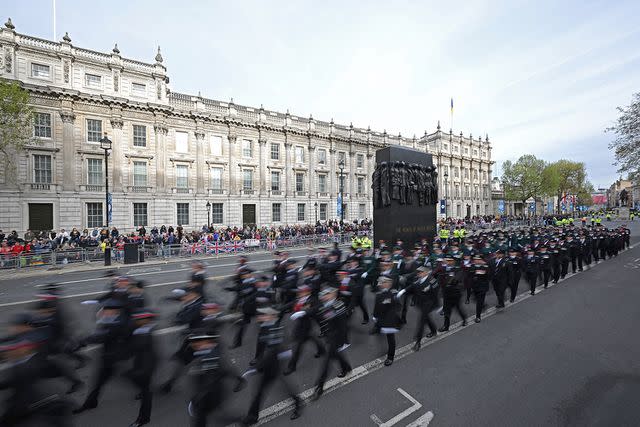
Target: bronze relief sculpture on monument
pixel 407 183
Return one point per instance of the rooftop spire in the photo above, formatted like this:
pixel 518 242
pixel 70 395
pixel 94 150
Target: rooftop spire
pixel 116 50
pixel 9 24
pixel 159 56
pixel 67 39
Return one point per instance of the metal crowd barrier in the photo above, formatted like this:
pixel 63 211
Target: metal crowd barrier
pixel 154 251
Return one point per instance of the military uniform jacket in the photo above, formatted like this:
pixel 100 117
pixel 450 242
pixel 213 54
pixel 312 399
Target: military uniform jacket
pixel 386 309
pixel 545 259
pixel 531 264
pixel 189 314
pixel 514 266
pixel 303 324
pixel 499 271
pixel 425 291
pixel 207 374
pixel 24 380
pixel 480 274
pixel 144 353
pixel 333 323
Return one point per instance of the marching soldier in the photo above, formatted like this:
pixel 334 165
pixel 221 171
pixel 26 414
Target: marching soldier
pixel 424 289
pixel 531 267
pixel 385 314
pixel 333 324
pixel 514 271
pixel 545 261
pixel 207 373
pixel 304 311
pixel 499 274
pixel 271 336
pixel 480 273
pixel 450 278
pixel 145 360
pixel 112 333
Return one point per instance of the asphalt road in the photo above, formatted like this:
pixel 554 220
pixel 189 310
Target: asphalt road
pixel 565 356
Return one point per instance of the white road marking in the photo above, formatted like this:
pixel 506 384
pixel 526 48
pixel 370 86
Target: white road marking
pixel 423 421
pixel 145 273
pixel 402 415
pixel 88 294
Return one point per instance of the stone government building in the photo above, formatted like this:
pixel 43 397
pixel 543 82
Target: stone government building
pixel 172 152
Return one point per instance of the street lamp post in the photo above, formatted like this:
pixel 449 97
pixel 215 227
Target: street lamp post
pixel 105 144
pixel 341 166
pixel 315 205
pixel 446 191
pixel 208 215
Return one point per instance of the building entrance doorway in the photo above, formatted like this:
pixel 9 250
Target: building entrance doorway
pixel 40 216
pixel 248 215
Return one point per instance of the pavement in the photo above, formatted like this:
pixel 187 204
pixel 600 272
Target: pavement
pixel 566 356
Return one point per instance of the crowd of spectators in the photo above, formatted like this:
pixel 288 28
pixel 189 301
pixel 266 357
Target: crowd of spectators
pixel 37 243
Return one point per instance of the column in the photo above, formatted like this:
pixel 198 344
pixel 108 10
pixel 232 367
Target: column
pixel 199 162
pixel 312 175
pixel 117 154
pixel 160 139
pixel 68 154
pixel 352 175
pixel 288 182
pixel 262 143
pixel 232 165
pixel 369 170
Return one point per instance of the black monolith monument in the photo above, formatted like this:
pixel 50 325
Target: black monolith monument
pixel 405 195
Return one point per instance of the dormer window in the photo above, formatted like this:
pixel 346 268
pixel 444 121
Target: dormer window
pixel 93 80
pixel 139 89
pixel 40 71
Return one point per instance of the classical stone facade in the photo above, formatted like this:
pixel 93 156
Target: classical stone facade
pixel 172 152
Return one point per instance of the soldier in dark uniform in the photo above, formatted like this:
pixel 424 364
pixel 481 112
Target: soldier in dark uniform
pixel 208 372
pixel 304 312
pixel 514 271
pixel 333 324
pixel 545 260
pixel 499 276
pixel 198 278
pixel 356 287
pixel 563 247
pixel 30 398
pixel 480 273
pixel 554 253
pixel 245 301
pixel 271 336
pixel 531 267
pixel 385 314
pixel 574 249
pixel 369 264
pixel 61 340
pixel 145 359
pixel 113 333
pixel 424 289
pixel 188 315
pixel 237 279
pixel 450 282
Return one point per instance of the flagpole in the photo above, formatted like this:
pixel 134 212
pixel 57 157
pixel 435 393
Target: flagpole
pixel 451 122
pixel 54 21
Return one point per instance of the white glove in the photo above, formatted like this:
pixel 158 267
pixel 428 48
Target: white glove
pixel 89 302
pixel 298 314
pixel 364 275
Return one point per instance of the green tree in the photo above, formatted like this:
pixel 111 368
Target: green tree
pixel 523 179
pixel 16 121
pixel 564 177
pixel 626 145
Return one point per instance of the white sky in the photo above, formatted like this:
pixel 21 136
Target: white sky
pixel 540 77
